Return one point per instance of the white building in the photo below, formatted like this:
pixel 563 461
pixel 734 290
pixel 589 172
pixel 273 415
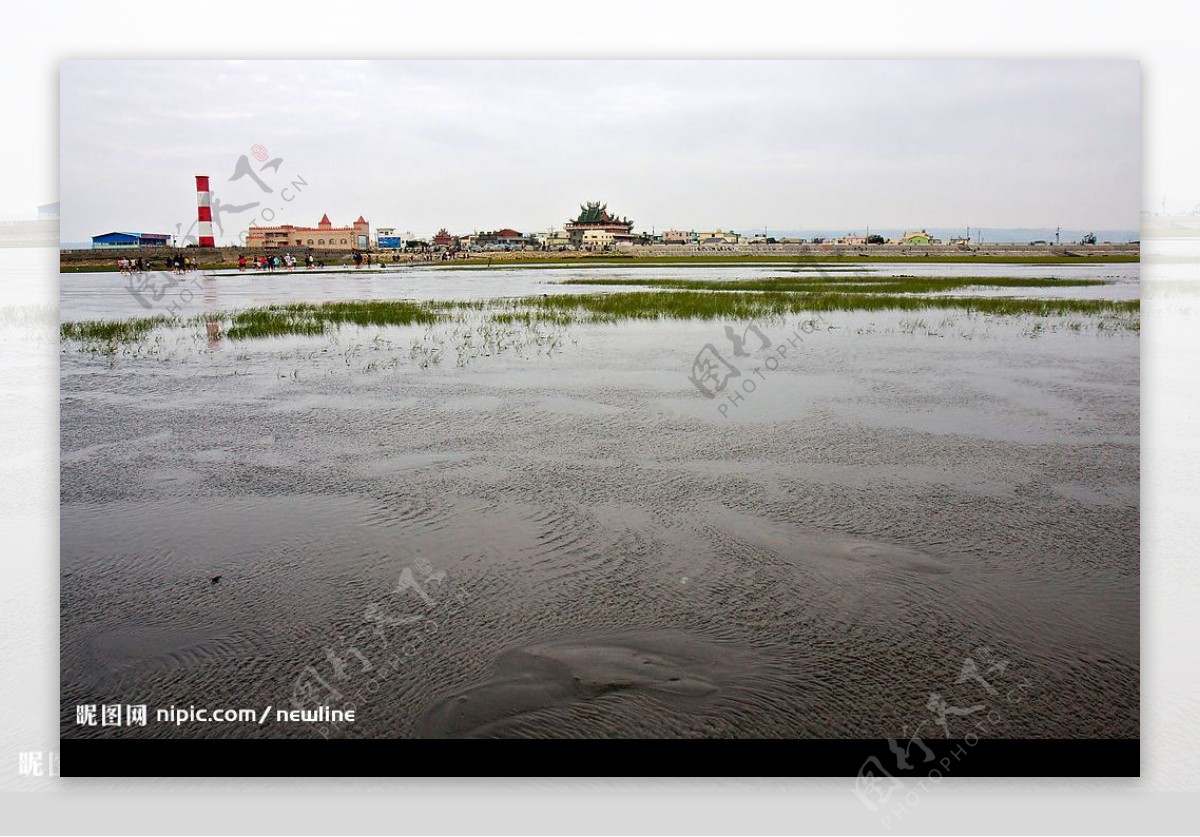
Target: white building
pixel 597 239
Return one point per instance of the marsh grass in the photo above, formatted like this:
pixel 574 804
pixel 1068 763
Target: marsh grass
pixel 748 305
pixel 311 319
pixel 538 316
pixel 110 331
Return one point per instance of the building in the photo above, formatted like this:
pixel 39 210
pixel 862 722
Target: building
pixel 597 240
pixel 675 237
pixel 558 240
pixel 921 237
pixel 505 239
pixel 714 239
pixel 130 239
pixel 444 239
pixel 386 239
pixel 854 240
pixel 594 216
pixel 324 236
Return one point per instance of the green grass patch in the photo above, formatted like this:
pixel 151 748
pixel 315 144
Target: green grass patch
pixel 785 297
pixel 688 304
pixel 308 318
pixel 110 331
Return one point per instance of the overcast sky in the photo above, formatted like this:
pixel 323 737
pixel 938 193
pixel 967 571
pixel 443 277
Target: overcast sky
pixel 481 145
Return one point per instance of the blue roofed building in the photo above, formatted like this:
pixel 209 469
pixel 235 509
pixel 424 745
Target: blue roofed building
pixel 130 239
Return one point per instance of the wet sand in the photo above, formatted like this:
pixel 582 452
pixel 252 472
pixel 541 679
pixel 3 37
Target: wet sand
pixel 578 544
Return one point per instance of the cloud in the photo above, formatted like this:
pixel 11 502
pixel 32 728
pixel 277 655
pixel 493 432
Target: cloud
pixel 484 144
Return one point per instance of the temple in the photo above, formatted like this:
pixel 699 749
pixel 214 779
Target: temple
pixel 594 218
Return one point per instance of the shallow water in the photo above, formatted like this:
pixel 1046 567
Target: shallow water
pixel 571 540
pixel 87 296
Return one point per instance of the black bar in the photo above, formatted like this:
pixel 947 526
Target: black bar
pixel 318 757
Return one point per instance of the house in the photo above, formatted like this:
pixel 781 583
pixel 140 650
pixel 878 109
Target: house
pixel 921 237
pixel 505 239
pixel 597 239
pixel 675 237
pixel 718 238
pixel 557 240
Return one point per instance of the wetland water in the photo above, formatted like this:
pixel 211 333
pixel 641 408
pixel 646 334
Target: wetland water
pixel 467 529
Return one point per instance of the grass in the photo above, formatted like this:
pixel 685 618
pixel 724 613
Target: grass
pixel 677 299
pixel 687 304
pixel 308 318
pixel 110 331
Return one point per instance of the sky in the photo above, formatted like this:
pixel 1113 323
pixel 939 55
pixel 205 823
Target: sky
pixel 482 145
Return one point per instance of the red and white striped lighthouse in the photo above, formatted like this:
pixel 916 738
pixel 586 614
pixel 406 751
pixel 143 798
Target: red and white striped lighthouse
pixel 204 211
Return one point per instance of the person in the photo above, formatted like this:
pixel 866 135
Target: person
pixel 308 261
pixel 241 261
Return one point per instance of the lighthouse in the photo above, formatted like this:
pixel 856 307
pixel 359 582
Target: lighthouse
pixel 204 211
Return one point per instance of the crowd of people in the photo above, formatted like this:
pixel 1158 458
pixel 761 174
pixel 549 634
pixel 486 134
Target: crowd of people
pixel 286 261
pixel 276 262
pixel 177 263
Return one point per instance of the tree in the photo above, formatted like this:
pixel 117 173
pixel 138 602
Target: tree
pixel 875 239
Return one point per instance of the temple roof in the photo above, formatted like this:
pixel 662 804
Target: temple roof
pixel 595 212
pixel 325 220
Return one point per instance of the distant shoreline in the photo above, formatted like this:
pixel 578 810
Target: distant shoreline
pixel 77 261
